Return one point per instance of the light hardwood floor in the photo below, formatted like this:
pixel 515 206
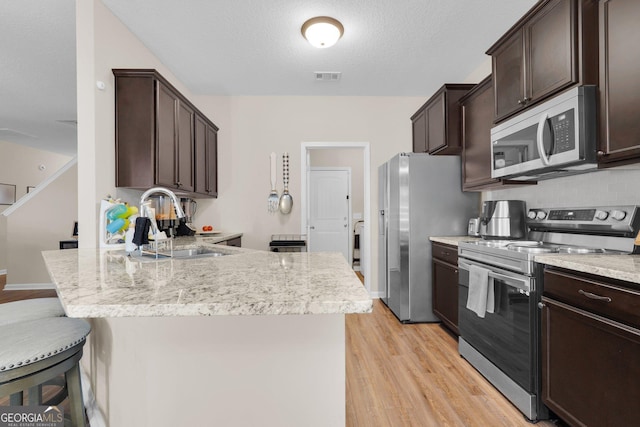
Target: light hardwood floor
pixel 412 375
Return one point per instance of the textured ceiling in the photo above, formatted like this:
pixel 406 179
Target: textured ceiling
pixel 38 74
pixel 245 47
pixel 254 47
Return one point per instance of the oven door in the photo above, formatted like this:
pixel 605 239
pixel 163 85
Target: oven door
pixel 505 337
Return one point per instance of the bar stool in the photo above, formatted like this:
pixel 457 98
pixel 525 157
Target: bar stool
pixel 30 309
pixel 35 351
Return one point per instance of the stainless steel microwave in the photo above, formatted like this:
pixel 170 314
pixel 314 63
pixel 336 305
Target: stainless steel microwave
pixel 555 138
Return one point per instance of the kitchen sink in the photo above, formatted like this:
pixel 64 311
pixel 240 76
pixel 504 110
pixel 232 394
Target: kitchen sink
pixel 197 252
pixel 188 253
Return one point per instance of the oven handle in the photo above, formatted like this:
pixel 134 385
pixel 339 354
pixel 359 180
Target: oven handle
pixel 513 281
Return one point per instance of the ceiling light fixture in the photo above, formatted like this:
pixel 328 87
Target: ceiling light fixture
pixel 322 31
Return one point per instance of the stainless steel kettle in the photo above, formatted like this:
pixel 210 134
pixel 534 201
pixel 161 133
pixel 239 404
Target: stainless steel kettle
pixel 503 219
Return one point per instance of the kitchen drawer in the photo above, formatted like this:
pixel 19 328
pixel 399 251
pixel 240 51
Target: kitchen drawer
pixel 237 242
pixel 445 253
pixel 599 297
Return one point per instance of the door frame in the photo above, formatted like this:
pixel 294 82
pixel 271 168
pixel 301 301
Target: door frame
pixel 305 148
pixel 349 210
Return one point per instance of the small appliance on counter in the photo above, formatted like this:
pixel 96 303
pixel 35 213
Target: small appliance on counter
pixel 503 220
pixel 185 226
pixel 474 227
pixel 166 216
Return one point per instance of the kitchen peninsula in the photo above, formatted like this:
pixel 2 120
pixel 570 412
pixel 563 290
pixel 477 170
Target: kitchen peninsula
pixel 249 338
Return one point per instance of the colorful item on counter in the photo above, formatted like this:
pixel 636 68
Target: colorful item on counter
pixel 116 212
pixel 118 217
pixel 116 225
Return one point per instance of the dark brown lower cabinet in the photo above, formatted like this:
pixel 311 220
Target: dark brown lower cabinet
pixel 590 363
pixel 237 242
pixel 445 284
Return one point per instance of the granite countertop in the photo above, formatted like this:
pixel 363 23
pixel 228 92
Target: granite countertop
pixel 621 267
pixel 216 237
pixel 98 283
pixel 453 240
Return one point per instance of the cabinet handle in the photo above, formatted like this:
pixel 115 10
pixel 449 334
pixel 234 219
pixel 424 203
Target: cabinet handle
pixel 446 253
pixel 594 296
pixel 540 305
pixel 525 100
pixel 600 153
pixel 520 102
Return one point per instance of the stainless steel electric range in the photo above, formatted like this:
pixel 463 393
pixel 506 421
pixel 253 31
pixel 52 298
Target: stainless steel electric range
pixel 504 345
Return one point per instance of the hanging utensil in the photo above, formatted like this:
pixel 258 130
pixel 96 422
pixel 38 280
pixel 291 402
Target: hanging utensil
pixel 273 199
pixel 286 201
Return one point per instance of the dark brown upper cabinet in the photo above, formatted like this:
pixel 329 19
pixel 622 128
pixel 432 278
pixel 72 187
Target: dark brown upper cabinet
pixel 436 125
pixel 619 88
pixel 419 132
pixel 206 159
pixel 477 120
pixel 552 47
pixel 175 139
pixel 156 137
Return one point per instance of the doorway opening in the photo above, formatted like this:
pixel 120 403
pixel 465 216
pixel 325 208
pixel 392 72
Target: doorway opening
pixel 329 210
pixel 335 156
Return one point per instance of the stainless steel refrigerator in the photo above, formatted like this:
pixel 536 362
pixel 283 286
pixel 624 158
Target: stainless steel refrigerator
pixel 419 196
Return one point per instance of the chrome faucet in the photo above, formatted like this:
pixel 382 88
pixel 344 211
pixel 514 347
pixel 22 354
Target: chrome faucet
pixel 144 211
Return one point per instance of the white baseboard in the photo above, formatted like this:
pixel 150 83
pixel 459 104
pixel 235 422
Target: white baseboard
pixel 376 294
pixel 29 286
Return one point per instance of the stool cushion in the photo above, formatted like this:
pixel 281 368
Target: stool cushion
pixel 30 309
pixel 27 342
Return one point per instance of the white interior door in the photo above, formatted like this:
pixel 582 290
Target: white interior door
pixel 329 207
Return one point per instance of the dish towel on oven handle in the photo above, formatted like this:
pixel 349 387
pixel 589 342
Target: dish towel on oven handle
pixel 481 297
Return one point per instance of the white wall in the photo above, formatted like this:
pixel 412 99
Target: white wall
pixel 267 371
pixel 103 43
pixel 37 224
pixel 257 126
pixel 19 165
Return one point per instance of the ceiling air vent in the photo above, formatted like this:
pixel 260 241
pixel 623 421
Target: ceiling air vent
pixel 328 76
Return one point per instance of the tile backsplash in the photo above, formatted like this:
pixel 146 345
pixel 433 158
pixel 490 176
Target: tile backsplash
pixel 601 188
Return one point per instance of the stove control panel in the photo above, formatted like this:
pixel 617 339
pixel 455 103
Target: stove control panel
pixel 571 214
pixel 609 219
